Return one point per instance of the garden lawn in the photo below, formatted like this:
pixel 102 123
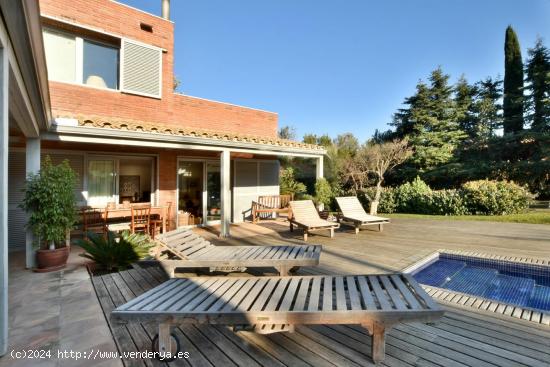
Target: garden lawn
pixel 537 216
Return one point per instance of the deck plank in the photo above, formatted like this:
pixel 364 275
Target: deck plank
pixel 484 336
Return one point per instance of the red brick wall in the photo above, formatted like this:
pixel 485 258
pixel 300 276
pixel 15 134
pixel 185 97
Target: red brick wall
pixel 172 109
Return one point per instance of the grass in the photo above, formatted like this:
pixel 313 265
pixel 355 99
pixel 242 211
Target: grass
pixel 533 216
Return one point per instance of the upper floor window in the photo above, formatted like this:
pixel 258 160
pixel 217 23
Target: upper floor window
pixel 75 59
pixel 117 63
pixel 100 65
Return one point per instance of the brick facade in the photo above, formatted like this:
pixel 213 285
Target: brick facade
pixel 172 109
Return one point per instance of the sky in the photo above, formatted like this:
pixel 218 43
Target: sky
pixel 336 66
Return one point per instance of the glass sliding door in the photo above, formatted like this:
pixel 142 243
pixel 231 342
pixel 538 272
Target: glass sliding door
pixel 101 181
pixel 190 192
pixel 213 191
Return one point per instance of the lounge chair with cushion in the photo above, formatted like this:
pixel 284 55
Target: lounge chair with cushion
pixel 276 304
pixel 353 212
pixel 183 248
pixel 304 214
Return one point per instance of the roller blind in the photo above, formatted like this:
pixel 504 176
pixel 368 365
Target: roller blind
pixel 141 69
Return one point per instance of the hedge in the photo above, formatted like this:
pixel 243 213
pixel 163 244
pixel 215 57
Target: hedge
pixel 475 197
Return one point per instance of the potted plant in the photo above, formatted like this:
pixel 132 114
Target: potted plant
pixel 51 204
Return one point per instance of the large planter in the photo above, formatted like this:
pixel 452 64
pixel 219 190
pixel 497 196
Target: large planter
pixel 51 260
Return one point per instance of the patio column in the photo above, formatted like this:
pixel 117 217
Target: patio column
pixel 319 172
pixel 32 166
pixel 4 139
pixel 225 193
pixel 319 169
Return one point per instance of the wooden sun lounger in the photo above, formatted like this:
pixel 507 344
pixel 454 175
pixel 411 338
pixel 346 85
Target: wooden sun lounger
pixel 183 248
pixel 303 214
pixel 352 211
pixel 276 304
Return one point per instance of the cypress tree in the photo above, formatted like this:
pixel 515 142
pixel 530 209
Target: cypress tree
pixel 538 84
pixel 513 83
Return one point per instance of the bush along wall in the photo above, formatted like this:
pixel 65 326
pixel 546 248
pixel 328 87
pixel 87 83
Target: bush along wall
pixel 481 197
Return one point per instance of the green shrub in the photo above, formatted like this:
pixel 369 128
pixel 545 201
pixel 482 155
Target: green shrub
pixel 495 197
pixel 387 202
pixel 289 185
pixel 51 203
pixel 112 254
pixel 447 202
pixel 323 193
pixel 413 197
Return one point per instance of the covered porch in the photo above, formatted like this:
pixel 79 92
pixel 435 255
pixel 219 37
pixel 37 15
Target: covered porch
pixel 194 178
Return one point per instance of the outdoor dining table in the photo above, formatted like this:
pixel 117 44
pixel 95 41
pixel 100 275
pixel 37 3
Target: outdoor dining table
pixel 121 212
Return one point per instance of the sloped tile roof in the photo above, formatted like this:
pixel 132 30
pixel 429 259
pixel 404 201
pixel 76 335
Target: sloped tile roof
pixel 155 128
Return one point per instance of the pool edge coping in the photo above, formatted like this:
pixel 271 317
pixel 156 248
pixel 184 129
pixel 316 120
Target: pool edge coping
pixel 480 303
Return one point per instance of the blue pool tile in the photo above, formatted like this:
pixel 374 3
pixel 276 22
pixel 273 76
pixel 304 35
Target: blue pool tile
pixel 524 285
pixel 471 280
pixel 540 298
pixel 437 273
pixel 510 289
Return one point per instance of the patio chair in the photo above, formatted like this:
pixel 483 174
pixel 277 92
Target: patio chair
pixel 353 212
pixel 94 221
pixel 156 222
pixel 141 216
pixel 183 248
pixel 304 214
pixel 269 205
pixel 276 304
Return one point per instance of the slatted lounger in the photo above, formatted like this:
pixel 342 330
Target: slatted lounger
pixel 352 211
pixel 183 248
pixel 303 214
pixel 276 304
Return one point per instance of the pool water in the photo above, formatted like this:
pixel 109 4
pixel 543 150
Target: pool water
pixel 519 284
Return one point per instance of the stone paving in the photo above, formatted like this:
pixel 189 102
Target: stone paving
pixel 54 312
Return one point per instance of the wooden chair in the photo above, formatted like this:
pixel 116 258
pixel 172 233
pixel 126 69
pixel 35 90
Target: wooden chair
pixel 94 221
pixel 156 223
pixel 141 217
pixel 270 204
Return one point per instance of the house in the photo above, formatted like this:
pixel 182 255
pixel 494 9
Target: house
pixel 130 137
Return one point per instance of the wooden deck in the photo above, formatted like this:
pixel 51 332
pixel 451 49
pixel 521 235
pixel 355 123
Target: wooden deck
pixel 462 338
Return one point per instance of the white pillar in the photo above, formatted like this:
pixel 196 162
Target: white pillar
pixel 319 172
pixel 4 139
pixel 32 166
pixel 225 193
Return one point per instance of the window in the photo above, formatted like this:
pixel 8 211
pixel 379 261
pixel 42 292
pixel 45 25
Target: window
pixel 60 56
pixel 73 59
pixel 101 181
pixel 119 180
pixel 100 67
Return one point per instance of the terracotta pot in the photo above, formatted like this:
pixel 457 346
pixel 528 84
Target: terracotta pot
pixel 51 260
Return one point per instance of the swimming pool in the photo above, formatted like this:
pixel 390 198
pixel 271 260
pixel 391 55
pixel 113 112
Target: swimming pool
pixel 520 284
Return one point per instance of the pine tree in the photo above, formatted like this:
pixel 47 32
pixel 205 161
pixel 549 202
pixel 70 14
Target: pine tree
pixel 513 84
pixel 465 106
pixel 488 108
pixel 430 121
pixel 537 71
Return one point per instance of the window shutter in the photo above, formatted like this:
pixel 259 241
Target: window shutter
pixel 141 69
